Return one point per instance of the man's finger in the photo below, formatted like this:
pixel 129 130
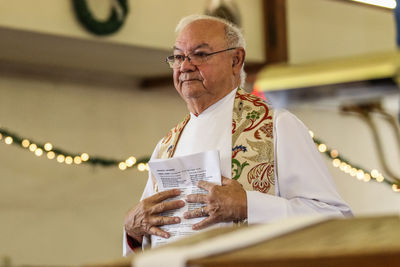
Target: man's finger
pixel 204 223
pixel 167 205
pixel 157 231
pixel 194 214
pixel 164 195
pixel 163 220
pixel 206 185
pixel 196 198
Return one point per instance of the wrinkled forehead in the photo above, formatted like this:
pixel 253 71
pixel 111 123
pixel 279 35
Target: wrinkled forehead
pixel 201 33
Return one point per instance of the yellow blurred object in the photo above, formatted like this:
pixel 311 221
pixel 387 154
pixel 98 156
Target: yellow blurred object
pixel 334 71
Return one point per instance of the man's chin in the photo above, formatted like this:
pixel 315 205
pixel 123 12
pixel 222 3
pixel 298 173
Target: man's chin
pixel 192 91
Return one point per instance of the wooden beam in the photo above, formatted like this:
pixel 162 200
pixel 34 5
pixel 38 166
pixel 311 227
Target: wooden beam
pixel 275 31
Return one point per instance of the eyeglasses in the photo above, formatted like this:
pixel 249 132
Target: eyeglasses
pixel 197 58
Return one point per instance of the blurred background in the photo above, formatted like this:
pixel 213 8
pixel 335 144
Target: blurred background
pixel 90 77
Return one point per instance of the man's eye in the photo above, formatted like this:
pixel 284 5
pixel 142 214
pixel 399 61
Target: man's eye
pixel 179 57
pixel 200 54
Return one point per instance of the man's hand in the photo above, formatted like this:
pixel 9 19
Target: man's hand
pixel 144 218
pixel 224 203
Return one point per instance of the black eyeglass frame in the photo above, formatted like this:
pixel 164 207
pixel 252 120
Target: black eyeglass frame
pixel 171 59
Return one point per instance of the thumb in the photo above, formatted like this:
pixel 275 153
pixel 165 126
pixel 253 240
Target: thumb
pixel 225 181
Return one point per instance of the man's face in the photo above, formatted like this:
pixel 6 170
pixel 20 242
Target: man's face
pixel 213 79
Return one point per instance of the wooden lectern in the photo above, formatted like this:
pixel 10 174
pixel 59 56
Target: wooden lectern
pixel 366 242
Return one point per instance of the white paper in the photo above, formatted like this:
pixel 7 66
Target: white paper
pixel 184 173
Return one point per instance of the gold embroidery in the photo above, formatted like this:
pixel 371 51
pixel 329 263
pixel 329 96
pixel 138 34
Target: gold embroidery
pixel 264 150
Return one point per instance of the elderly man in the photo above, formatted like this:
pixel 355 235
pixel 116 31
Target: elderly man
pixel 270 167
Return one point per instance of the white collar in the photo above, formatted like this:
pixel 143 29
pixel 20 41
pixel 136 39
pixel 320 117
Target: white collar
pixel 216 106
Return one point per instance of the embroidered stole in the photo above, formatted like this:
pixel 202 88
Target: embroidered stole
pixel 252 143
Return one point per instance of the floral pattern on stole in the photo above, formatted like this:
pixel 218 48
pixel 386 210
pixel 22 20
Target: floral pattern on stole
pixel 252 143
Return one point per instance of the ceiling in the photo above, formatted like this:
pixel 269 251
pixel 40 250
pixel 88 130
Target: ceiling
pixel 51 53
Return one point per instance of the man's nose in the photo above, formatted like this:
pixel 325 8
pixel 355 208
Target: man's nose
pixel 187 65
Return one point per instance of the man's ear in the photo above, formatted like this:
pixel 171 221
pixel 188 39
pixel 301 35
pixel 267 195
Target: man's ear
pixel 235 61
pixel 238 58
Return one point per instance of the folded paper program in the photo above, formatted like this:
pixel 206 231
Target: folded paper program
pixel 184 173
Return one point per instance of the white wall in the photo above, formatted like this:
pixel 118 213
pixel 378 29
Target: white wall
pixel 322 29
pixel 52 213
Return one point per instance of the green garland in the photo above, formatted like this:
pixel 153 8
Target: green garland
pixel 17 140
pixel 329 154
pixel 111 25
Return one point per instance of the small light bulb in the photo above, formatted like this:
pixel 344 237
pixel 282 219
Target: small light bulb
pixel 367 177
pixel 8 140
pixel 25 143
pixel 147 167
pixel 343 166
pixel 141 167
pixel 77 160
pixel 69 160
pixel 353 172
pixel 360 174
pixel 38 152
pixel 48 146
pixel 85 156
pixel 1 136
pixel 380 178
pixel 347 168
pixel 322 148
pixel 311 134
pixel 395 188
pixel 130 161
pixel 122 166
pixel 60 158
pixel 334 153
pixel 32 147
pixel 336 162
pixel 374 173
pixel 51 155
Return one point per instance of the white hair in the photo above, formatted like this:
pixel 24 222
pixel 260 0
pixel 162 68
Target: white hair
pixel 233 35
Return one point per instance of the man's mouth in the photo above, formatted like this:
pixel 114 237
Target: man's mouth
pixel 190 80
pixel 184 77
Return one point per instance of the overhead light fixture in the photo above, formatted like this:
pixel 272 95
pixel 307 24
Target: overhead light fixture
pixel 381 3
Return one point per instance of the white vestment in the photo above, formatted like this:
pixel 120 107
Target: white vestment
pixel 303 184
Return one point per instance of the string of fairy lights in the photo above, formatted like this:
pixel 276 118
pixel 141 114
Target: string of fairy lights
pixel 52 153
pixel 61 156
pixel 353 170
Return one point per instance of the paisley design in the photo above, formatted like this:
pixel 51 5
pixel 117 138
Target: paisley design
pixel 253 130
pixel 261 177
